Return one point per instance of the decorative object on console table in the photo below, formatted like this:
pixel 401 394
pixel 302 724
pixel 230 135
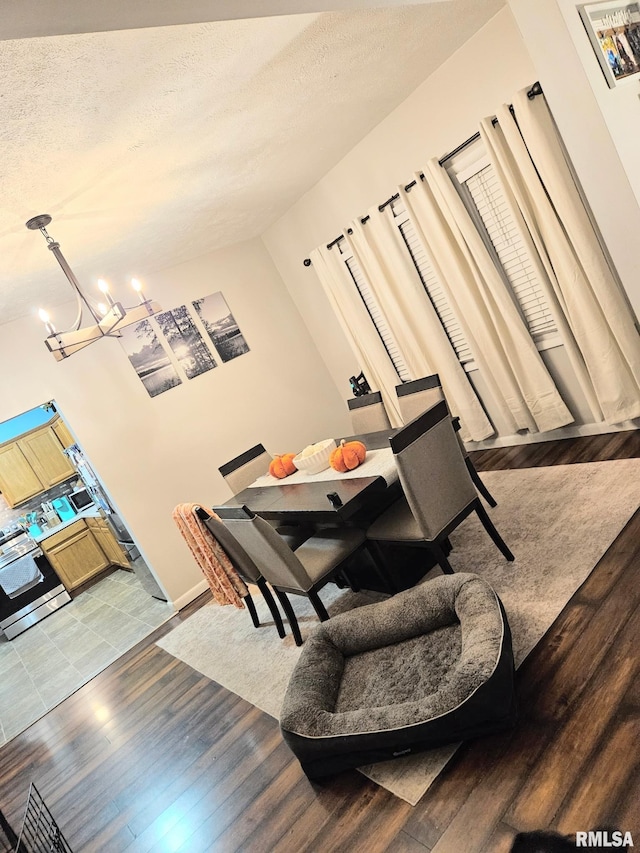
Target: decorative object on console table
pixel 106 319
pixel 614 30
pixel 186 342
pixel 221 326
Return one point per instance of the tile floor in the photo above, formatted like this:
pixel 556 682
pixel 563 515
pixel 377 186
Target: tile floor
pixel 51 660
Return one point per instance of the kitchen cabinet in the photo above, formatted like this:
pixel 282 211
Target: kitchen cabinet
pixel 62 432
pixel 75 554
pixel 82 550
pixel 114 552
pixel 32 464
pixel 43 452
pixel 18 480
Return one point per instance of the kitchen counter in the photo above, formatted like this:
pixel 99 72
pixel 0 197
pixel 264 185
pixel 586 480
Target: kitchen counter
pixel 89 512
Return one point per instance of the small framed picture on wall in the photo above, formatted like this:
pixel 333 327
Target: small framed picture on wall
pixel 614 29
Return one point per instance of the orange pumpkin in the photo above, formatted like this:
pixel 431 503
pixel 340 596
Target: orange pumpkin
pixel 282 466
pixel 348 456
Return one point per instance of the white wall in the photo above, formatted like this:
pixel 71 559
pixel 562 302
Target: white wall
pixel 441 113
pixel 155 453
pixel 600 126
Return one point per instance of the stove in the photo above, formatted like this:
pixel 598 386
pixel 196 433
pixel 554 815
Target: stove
pixel 30 589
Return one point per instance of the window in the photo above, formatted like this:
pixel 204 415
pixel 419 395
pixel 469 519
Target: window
pixel 432 284
pixel 482 193
pixel 375 312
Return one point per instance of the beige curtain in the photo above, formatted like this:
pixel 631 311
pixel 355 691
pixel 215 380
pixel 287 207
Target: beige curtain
pixel 358 327
pixel 506 355
pixel 381 252
pixel 594 319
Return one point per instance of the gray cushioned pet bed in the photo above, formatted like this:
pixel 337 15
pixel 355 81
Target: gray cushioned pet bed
pixel 432 665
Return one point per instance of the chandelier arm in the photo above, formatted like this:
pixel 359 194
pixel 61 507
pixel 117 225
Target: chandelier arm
pixel 73 281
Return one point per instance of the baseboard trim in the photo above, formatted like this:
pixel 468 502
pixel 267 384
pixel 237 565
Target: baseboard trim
pixel 191 595
pixel 555 435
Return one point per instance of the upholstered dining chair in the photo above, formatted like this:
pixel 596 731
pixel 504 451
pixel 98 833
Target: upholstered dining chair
pixel 244 566
pixel 303 572
pixel 438 490
pixel 245 469
pixel 368 413
pixel 421 394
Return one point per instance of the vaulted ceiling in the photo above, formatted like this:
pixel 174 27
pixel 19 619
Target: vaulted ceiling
pixel 151 146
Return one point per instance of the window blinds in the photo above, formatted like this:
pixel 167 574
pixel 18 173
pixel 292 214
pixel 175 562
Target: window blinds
pixel 486 194
pixel 432 284
pixel 377 317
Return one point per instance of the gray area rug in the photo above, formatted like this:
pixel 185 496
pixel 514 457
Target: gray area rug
pixel 558 521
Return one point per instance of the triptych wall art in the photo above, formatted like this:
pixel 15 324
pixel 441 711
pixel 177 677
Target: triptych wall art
pixel 183 343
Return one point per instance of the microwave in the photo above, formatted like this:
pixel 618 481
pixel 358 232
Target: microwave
pixel 80 499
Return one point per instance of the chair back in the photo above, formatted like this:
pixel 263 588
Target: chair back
pixel 368 413
pixel 418 396
pixel 240 560
pixel 432 470
pixel 275 560
pixel 246 468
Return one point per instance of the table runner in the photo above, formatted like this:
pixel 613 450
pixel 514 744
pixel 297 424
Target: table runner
pixel 377 463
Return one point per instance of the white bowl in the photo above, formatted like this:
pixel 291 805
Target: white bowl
pixel 318 461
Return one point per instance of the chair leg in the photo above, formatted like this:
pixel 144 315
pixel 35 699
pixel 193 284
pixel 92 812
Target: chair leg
pixel 291 616
pixel 493 533
pixel 273 607
pixel 318 606
pixel 477 482
pixel 375 552
pixel 441 558
pixel 252 610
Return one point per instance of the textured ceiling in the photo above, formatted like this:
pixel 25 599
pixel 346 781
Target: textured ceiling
pixel 153 146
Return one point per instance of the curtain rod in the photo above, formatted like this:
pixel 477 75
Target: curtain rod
pixel 535 90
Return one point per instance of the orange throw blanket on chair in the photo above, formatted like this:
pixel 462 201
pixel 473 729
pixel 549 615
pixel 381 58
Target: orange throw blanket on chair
pixel 225 584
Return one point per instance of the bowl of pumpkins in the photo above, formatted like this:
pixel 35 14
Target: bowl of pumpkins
pixel 315 457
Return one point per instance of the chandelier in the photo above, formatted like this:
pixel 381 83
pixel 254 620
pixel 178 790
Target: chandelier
pixel 106 318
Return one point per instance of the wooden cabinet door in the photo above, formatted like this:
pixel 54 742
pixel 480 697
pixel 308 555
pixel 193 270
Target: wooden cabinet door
pixel 116 555
pixel 77 559
pixel 18 480
pixel 43 451
pixel 62 433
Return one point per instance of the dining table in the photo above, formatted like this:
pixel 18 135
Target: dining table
pixel 329 498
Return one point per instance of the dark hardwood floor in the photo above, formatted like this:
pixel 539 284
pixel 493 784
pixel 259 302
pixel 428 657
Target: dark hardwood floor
pixel 152 756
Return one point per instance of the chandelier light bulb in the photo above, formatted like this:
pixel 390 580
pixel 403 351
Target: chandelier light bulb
pixel 44 316
pixel 137 286
pixel 103 287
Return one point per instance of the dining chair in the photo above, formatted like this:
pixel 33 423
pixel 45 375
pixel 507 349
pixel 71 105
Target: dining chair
pixel 244 566
pixel 438 490
pixel 421 394
pixel 303 572
pixel 244 469
pixel 368 413
pixel 239 473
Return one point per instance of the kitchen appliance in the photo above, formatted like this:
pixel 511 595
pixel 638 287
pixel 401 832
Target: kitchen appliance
pixel 30 590
pixel 80 499
pixel 117 526
pixel 63 508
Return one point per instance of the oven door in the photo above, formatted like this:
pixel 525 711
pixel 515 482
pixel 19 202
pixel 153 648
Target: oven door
pixel 34 601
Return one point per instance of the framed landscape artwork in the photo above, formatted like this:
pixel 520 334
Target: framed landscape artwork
pixel 221 326
pixel 186 342
pixel 150 361
pixel 614 29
